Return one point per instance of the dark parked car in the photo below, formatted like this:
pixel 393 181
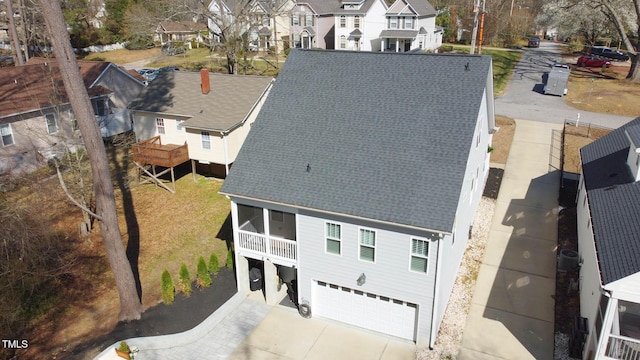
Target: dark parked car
pixel 609 53
pixel 592 61
pixel 534 42
pixel 169 68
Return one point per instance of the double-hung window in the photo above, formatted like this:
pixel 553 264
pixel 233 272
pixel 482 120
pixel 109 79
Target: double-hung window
pixel 160 125
pixel 408 23
pixel 343 42
pixel 419 255
pixel 367 245
pixel 309 19
pixel 343 21
pixel 206 140
pixel 393 23
pixel 295 20
pixel 356 21
pixel 333 238
pixel 6 135
pixel 179 125
pixel 52 124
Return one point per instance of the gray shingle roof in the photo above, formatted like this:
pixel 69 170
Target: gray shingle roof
pixel 179 93
pixel 614 202
pixel 398 33
pixel 322 7
pixel 384 136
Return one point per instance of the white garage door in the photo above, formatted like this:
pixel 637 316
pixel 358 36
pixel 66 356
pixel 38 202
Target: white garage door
pixel 370 311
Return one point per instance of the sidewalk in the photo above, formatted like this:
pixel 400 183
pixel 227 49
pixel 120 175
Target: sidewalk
pixel 512 311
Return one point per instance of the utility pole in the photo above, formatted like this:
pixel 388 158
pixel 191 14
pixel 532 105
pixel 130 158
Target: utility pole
pixel 481 28
pixel 474 33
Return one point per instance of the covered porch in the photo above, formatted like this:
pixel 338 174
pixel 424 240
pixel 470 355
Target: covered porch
pixel 397 40
pixel 266 234
pixel 618 331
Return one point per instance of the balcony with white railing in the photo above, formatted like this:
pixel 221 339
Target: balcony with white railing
pixel 275 241
pixel 623 348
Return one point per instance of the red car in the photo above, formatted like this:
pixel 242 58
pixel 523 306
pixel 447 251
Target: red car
pixel 591 61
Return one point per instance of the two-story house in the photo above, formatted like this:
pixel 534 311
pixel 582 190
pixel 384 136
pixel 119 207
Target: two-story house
pixel 36 119
pixel 210 113
pixel 362 177
pixel 608 211
pixel 410 24
pixel 265 23
pixel 313 24
pixel 358 24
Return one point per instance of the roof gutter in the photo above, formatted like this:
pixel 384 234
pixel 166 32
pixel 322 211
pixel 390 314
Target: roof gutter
pixel 48 107
pixel 336 213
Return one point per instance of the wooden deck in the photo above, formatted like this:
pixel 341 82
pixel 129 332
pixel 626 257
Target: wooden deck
pixel 152 152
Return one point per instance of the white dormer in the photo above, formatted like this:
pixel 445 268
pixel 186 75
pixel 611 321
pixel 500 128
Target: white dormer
pixel 633 159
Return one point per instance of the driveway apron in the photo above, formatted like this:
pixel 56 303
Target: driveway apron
pixel 512 311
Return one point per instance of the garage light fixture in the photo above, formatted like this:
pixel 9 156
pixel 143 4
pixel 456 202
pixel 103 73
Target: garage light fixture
pixel 361 279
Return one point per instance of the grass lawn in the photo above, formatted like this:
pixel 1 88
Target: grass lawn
pixel 504 61
pixel 124 56
pixel 609 94
pixel 502 139
pixel 171 228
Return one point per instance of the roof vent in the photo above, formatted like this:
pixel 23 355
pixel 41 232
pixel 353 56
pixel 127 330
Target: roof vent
pixel 204 78
pixel 466 67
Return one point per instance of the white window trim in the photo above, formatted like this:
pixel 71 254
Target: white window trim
pixel 375 247
pixel 163 126
pixel 343 42
pixel 55 123
pixel 327 237
pixel 10 133
pixel 179 125
pixel 343 21
pixel 205 135
pixel 411 254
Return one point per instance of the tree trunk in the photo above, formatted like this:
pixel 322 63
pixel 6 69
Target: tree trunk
pixel 130 306
pixel 13 33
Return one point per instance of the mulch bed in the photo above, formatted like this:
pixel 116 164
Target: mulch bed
pixel 492 187
pixel 184 314
pixel 567 297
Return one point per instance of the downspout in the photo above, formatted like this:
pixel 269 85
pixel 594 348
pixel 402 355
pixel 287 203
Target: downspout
pixel 226 154
pixel 436 293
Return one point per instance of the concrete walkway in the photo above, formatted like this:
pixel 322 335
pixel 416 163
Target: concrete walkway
pixel 512 310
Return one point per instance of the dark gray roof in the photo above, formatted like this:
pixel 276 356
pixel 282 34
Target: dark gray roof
pixel 179 93
pixel 614 202
pixel 423 7
pixel 383 136
pixel 398 33
pixel 322 7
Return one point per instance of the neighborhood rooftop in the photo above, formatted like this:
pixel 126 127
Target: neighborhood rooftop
pixel 383 136
pixel 614 202
pixel 39 85
pixel 180 93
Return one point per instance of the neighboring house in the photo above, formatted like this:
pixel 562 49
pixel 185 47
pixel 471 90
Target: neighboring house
pixel 313 24
pixel 181 31
pixel 358 24
pixel 265 22
pixel 411 24
pixel 211 113
pixel 608 210
pixel 362 178
pixel 36 119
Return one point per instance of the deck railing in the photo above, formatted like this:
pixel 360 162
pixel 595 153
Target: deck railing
pixel 278 247
pixel 151 151
pixel 623 348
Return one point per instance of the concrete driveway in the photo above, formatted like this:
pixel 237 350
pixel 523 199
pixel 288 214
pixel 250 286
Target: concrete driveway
pixel 284 334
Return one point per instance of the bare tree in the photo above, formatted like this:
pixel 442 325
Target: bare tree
pixel 130 305
pixel 13 33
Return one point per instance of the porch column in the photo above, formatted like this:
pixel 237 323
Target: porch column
pixel 242 274
pixel 270 283
pixel 397 44
pixel 382 45
pixel 603 339
pixel 267 231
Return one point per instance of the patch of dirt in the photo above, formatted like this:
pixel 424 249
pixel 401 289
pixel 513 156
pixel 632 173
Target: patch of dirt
pixel 492 187
pixel 502 139
pixel 575 137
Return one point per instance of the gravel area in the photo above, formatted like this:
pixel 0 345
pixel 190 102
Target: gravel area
pixel 449 337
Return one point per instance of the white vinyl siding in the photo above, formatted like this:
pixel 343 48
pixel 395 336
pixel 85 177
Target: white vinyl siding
pixel 333 238
pixel 367 245
pixel 6 134
pixel 52 124
pixel 206 140
pixel 419 255
pixel 160 126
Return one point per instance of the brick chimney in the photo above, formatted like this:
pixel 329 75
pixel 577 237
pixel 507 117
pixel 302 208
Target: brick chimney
pixel 204 78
